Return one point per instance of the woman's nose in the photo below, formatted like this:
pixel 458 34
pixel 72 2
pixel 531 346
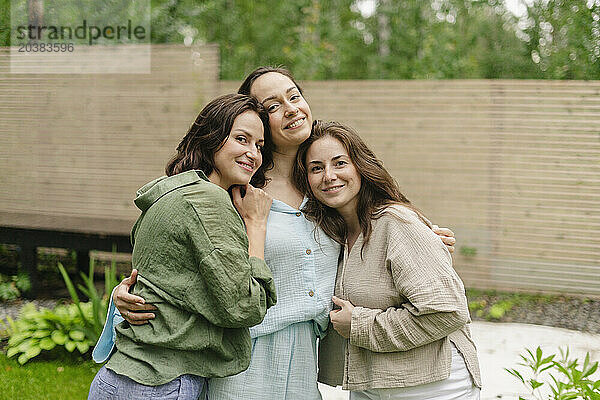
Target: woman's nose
pixel 252 154
pixel 329 174
pixel 290 110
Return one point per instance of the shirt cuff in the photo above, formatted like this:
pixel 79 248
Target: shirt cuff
pixel 261 272
pixel 360 326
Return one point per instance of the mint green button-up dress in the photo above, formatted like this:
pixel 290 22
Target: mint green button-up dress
pixel 283 365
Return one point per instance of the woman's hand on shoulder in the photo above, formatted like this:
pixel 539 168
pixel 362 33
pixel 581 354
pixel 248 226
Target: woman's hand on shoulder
pixel 254 207
pixel 130 306
pixel 446 235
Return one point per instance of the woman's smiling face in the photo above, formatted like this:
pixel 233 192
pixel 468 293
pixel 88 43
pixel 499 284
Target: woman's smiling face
pixel 240 156
pixel 290 118
pixel 332 176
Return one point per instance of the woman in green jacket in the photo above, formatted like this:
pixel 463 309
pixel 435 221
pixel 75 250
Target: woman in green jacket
pixel 200 262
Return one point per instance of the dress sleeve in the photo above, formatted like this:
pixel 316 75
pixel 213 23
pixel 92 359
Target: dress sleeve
pixel 421 268
pixel 236 290
pixel 106 342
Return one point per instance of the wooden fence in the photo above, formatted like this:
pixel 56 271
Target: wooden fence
pixel 513 167
pixel 75 148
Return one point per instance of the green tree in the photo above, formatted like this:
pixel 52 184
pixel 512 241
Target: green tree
pixel 563 38
pixel 401 39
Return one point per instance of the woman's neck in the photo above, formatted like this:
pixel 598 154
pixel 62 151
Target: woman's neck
pixel 280 185
pixel 215 178
pixel 352 223
pixel 283 164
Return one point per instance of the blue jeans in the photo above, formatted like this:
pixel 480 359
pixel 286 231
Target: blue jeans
pixel 108 385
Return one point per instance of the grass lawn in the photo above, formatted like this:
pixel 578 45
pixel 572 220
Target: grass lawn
pixel 61 379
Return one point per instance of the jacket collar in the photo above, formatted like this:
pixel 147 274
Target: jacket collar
pixel 151 192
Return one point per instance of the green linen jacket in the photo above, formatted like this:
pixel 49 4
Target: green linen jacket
pixel 191 250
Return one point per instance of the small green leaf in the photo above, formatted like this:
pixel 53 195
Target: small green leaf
pixel 40 334
pixel 33 351
pixel 26 345
pixel 12 351
pixel 515 373
pixel 18 338
pixel 77 335
pixel 535 384
pixel 59 337
pixel 70 346
pixel 47 343
pixel 23 359
pixel 83 347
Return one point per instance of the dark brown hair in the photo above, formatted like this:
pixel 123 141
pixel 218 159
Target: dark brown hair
pixel 378 188
pixel 258 72
pixel 208 134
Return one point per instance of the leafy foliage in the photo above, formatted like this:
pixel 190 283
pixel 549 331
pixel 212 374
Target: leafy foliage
pixel 565 377
pixel 563 37
pixel 435 39
pixel 38 330
pixel 14 286
pixel 73 326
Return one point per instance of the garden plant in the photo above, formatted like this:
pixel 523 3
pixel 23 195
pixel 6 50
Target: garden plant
pixel 565 378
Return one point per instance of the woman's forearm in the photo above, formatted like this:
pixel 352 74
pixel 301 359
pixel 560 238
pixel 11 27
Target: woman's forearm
pixel 397 329
pixel 256 240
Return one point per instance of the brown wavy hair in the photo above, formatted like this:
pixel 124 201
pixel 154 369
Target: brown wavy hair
pixel 208 134
pixel 378 188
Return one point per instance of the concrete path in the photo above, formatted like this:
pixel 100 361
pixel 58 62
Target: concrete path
pixel 499 346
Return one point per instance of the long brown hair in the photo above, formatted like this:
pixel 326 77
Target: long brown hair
pixel 211 129
pixel 377 191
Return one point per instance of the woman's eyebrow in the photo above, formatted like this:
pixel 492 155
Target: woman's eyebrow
pixel 248 133
pixel 272 97
pixel 332 159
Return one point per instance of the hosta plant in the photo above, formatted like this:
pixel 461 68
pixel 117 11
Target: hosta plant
pixel 14 286
pixel 44 329
pixel 71 326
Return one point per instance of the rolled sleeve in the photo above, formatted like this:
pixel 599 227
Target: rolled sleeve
pixel 234 290
pixel 421 268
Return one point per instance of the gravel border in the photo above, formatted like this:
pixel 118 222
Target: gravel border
pixel 562 312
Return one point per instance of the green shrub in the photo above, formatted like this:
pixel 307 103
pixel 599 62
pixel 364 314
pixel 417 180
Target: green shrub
pixel 94 322
pixel 467 251
pixel 498 310
pixel 565 378
pixel 14 286
pixel 44 329
pixel 72 326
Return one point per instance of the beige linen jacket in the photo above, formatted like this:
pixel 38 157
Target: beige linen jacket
pixel 409 305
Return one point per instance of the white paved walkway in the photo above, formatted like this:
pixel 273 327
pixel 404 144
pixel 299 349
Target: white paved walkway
pixel 499 346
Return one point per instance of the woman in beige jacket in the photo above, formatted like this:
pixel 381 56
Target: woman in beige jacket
pixel 402 326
